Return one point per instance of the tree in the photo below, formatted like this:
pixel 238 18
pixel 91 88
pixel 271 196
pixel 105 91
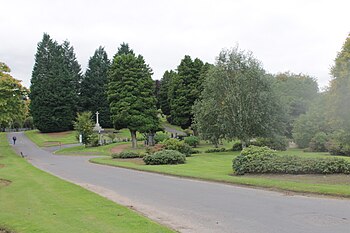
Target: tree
pixel 241 94
pixel 124 49
pixel 131 95
pixel 53 91
pixel 165 84
pixel 339 90
pixel 314 121
pixel 185 90
pixel 93 96
pixel 296 92
pixel 12 98
pixel 84 126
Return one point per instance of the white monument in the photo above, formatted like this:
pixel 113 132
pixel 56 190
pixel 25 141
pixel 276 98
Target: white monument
pixel 97 127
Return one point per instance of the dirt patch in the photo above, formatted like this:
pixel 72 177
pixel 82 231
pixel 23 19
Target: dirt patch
pixel 3 183
pixel 119 148
pixel 2 165
pixel 138 161
pixel 341 179
pixel 4 230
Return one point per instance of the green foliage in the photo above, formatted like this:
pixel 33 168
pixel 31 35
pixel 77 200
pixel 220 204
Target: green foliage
pixel 127 155
pixel 318 142
pixel 216 150
pixel 339 143
pixel 192 141
pixel 53 90
pixel 12 98
pixel 339 94
pixel 165 84
pixel 92 140
pixel 161 137
pixel 185 89
pixel 93 96
pixel 276 143
pixel 238 100
pixel 296 92
pixel 181 146
pixel 264 160
pixel 306 126
pixel 153 149
pixel 131 95
pixel 165 157
pixel 237 145
pixel 84 126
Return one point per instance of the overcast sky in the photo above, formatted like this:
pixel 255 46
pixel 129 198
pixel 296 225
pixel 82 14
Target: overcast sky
pixel 297 36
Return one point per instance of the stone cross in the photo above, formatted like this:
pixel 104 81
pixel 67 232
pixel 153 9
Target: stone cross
pixel 97 113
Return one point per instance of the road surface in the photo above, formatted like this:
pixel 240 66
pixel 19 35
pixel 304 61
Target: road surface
pixel 196 206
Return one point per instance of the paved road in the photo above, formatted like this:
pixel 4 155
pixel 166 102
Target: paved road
pixel 196 206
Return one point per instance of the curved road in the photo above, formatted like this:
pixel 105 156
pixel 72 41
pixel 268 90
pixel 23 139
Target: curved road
pixel 196 206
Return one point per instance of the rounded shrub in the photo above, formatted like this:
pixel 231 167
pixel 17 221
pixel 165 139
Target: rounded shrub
pixel 176 144
pixel 165 157
pixel 127 155
pixel 264 160
pixel 318 142
pixel 192 141
pixel 237 145
pixel 160 137
pixel 215 150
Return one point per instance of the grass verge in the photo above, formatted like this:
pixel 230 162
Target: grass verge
pixel 218 167
pixel 35 201
pixel 51 139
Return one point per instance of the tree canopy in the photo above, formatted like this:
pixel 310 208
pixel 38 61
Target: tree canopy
pixel 12 98
pixel 238 100
pixel 131 95
pixel 54 86
pixel 93 96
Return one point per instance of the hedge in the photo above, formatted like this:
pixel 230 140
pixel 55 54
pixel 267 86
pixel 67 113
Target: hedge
pixel 165 157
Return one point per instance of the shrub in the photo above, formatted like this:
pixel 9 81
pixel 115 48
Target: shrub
pixel 127 155
pixel 215 150
pixel 165 157
pixel 195 152
pixel 92 140
pixel 160 137
pixel 175 144
pixel 318 142
pixel 339 143
pixel 192 141
pixel 264 160
pixel 275 143
pixel 237 145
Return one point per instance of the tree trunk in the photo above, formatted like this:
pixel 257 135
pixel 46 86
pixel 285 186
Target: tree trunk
pixel 133 139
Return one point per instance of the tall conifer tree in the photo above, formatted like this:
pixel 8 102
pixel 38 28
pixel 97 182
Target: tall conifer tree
pixel 131 95
pixel 93 95
pixel 53 91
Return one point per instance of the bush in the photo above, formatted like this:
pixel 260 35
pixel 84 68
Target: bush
pixel 92 140
pixel 275 143
pixel 160 137
pixel 237 145
pixel 339 143
pixel 318 142
pixel 264 160
pixel 215 150
pixel 175 144
pixel 165 157
pixel 192 141
pixel 127 155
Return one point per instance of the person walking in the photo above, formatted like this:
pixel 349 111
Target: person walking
pixel 14 140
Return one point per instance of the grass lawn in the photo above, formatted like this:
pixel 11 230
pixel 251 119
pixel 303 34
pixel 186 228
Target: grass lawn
pixel 218 167
pixel 51 139
pixel 100 150
pixel 34 201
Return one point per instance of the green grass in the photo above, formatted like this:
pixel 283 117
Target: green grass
pixel 51 139
pixel 35 201
pixel 218 167
pixel 82 150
